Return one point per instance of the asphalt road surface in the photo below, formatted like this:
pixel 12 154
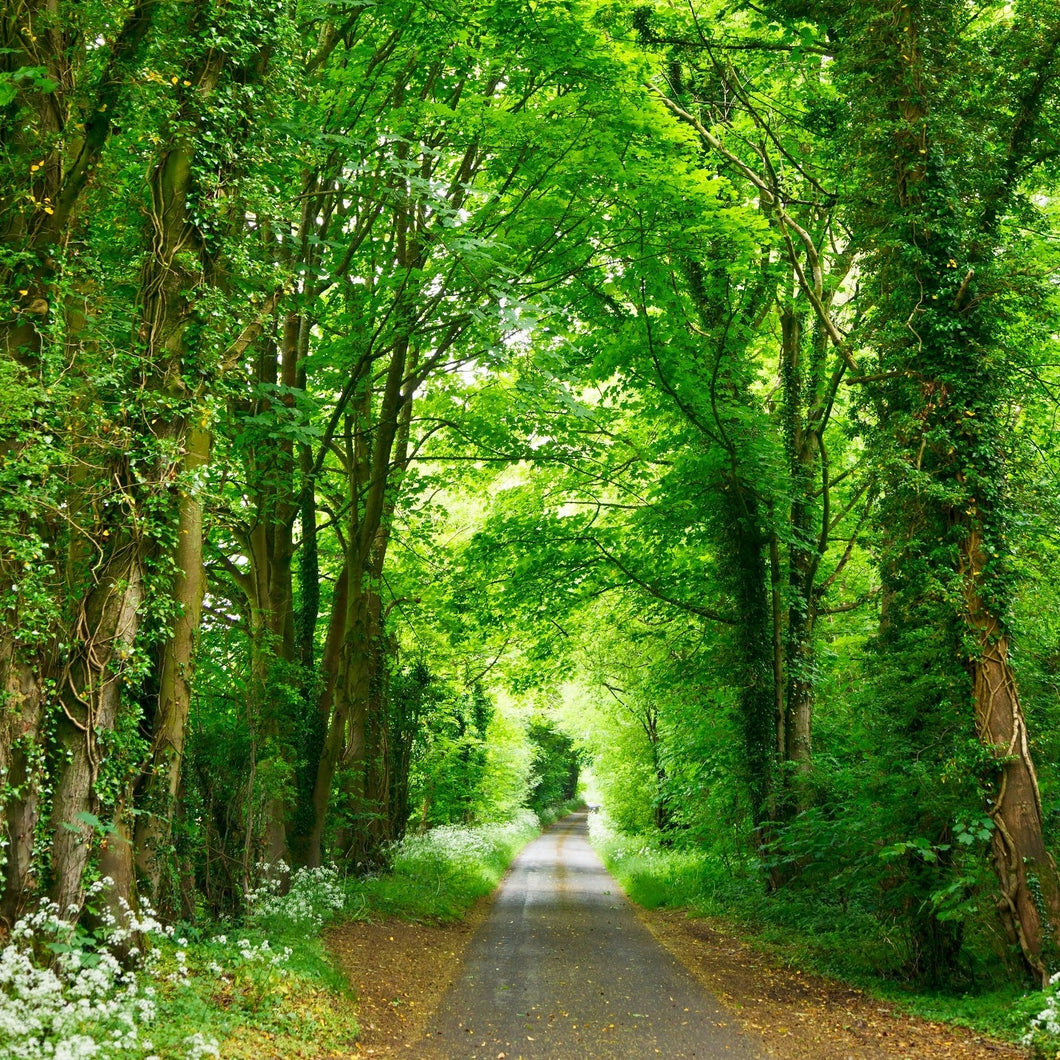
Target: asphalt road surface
pixel 562 969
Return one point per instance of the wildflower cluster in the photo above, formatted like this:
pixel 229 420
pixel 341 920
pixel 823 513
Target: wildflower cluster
pixel 65 996
pixel 312 896
pixel 462 844
pixel 1044 1032
pixel 198 1047
pixel 263 954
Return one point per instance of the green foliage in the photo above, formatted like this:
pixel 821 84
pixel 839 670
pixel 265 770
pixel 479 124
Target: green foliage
pixel 33 78
pixel 450 760
pixel 438 875
pixel 652 877
pixel 663 390
pixel 555 766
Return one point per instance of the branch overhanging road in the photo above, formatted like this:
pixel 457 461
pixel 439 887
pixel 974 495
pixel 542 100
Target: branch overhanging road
pixel 562 969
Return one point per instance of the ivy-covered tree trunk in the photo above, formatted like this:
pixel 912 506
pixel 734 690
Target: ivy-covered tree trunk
pixel 808 387
pixel 91 693
pixel 942 289
pixel 385 789
pixel 21 760
pixel 157 796
pixel 187 352
pixel 271 603
pixel 745 541
pixel 354 662
pixel 1027 873
pixel 360 700
pixel 54 129
pixel 804 551
pixel 172 277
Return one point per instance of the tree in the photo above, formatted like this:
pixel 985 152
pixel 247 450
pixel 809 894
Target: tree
pixel 950 303
pixel 461 221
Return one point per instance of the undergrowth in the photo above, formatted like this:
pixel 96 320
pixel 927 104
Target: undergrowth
pixel 137 990
pixel 439 875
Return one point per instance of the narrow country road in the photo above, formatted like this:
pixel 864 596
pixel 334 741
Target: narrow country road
pixel 562 969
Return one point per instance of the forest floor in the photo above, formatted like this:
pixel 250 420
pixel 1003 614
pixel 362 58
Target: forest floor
pixel 401 971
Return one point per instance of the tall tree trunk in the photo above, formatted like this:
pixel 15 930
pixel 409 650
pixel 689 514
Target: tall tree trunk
pixel 359 668
pixel 21 751
pixel 268 586
pixel 745 542
pixel 776 603
pixel 91 696
pixel 271 647
pixel 308 847
pixel 378 793
pixel 172 272
pixel 377 796
pixel 306 616
pixel 377 447
pixel 1030 885
pixel 804 415
pixel 56 138
pixel 158 790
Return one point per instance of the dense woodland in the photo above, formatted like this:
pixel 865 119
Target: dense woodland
pixel 405 402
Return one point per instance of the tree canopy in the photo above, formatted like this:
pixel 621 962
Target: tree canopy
pixel 407 405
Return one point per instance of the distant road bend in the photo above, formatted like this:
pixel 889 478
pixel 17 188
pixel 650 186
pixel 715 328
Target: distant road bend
pixel 563 970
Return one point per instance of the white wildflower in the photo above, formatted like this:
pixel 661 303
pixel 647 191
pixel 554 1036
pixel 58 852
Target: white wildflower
pixel 197 1046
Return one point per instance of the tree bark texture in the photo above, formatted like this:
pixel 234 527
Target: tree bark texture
pixel 21 760
pixel 173 271
pixel 157 795
pixel 57 137
pixel 803 451
pixel 1029 902
pixel 91 695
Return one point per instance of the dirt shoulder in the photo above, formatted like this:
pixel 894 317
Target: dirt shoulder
pixel 401 971
pixel 805 1017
